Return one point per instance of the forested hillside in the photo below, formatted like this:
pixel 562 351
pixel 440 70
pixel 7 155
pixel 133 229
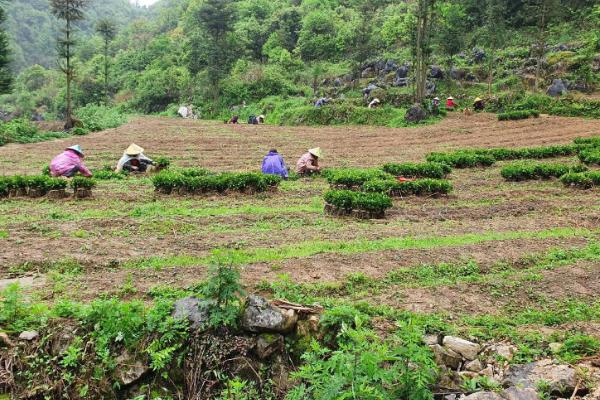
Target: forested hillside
pixel 279 56
pixel 33 29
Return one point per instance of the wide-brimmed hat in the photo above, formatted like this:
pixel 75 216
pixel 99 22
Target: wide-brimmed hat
pixel 436 98
pixel 134 150
pixel 316 152
pixel 76 148
pixel 477 99
pixel 450 98
pixel 261 117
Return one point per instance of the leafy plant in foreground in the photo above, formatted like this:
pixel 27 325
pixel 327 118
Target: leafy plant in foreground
pixel 223 287
pixel 532 170
pixel 81 182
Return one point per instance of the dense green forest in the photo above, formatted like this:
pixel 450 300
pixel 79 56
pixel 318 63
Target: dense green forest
pixel 279 56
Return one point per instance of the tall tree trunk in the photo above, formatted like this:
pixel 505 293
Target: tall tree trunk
pixel 69 117
pixel 420 64
pixel 541 44
pixel 106 72
pixel 491 70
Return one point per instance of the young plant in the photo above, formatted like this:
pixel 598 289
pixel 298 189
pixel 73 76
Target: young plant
pixel 534 170
pixel 590 155
pixel 81 182
pixel 413 170
pixel 583 180
pixel 223 287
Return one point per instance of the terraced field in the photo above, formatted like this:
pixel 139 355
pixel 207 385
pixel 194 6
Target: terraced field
pixel 494 259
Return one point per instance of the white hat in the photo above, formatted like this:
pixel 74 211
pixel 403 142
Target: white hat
pixel 450 98
pixel 317 152
pixel 134 150
pixel 76 148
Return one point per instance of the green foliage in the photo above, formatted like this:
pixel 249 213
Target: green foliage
pixel 522 171
pixel 81 182
pixel 42 183
pixel 23 131
pixel 350 200
pixel 419 187
pixel 363 366
pixel 422 170
pixel 583 180
pixel 462 159
pixel 578 346
pixel 590 156
pixel 105 175
pixel 98 118
pixel 201 181
pixel 223 287
pixel 162 162
pixel 593 141
pixel 516 115
pixel 564 106
pixel 351 177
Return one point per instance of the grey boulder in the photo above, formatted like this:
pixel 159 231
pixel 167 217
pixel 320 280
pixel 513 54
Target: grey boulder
pixel 260 316
pixel 561 379
pixel 468 350
pixel 558 88
pixel 193 309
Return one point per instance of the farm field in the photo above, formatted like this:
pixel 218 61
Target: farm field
pixel 523 254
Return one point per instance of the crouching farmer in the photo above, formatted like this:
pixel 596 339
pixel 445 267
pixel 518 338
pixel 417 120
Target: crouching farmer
pixel 273 164
pixel 134 160
pixel 309 162
pixel 69 163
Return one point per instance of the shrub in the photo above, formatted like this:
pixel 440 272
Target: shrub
pixel 105 175
pixel 97 118
pixel 583 180
pixel 593 141
pixel 162 162
pixel 81 182
pixel 462 159
pixel 350 200
pixel 590 155
pixel 56 184
pixel 354 176
pixel 23 131
pixel 532 170
pixel 419 187
pixel 193 172
pixel 423 170
pixel 200 180
pixel 516 115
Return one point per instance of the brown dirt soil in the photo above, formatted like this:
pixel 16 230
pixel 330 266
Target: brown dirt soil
pixel 127 221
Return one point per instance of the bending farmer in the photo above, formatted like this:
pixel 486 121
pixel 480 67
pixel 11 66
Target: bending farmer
pixel 309 162
pixel 134 160
pixel 69 163
pixel 273 164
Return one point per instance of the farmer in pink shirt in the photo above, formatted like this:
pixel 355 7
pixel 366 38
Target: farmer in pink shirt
pixel 69 163
pixel 309 162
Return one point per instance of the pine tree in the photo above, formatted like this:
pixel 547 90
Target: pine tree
pixel 107 30
pixel 69 11
pixel 5 74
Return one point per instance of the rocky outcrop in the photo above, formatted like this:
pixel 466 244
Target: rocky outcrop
pixel 558 88
pixel 561 379
pixel 260 316
pixel 415 114
pixel 468 350
pixel 193 309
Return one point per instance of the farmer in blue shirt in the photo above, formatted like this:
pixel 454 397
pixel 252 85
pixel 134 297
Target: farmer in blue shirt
pixel 273 164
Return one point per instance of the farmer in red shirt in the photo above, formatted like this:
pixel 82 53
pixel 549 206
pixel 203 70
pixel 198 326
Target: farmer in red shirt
pixel 450 104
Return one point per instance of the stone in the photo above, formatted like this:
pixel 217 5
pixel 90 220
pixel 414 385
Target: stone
pixel 400 82
pixel 558 88
pixel 195 310
pixel 561 379
pixel 129 370
pixel 260 316
pixel 280 375
pixel 506 351
pixel 367 91
pixel 415 114
pixel 431 340
pixel 478 54
pixel 338 82
pixel 268 344
pixel 429 88
pixel 446 357
pixel 402 72
pixel 457 74
pixel 484 396
pixel 468 350
pixel 29 335
pixel 436 72
pixel 487 371
pixel 474 366
pixel 390 66
pixel 471 78
pixel 514 393
pixel 467 375
pixel 555 347
pixel 367 72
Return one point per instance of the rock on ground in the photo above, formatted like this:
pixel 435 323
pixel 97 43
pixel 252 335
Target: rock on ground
pixel 468 350
pixel 193 309
pixel 129 370
pixel 260 316
pixel 561 379
pixel 415 114
pixel 484 396
pixel 29 335
pixel 514 393
pixel 558 88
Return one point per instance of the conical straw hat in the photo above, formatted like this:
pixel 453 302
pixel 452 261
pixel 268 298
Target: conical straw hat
pixel 316 152
pixel 134 150
pixel 76 148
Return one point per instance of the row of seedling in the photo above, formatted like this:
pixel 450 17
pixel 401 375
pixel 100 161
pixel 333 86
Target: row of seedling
pixel 199 181
pixel 469 158
pixel 523 171
pixel 582 180
pixel 373 188
pixel 41 185
pixel 516 115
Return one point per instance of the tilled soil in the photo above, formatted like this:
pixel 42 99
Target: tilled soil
pixel 126 222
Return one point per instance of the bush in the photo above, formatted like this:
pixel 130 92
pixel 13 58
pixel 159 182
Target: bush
pixel 423 170
pixel 105 175
pixel 97 118
pixel 200 180
pixel 419 187
pixel 350 200
pixel 162 162
pixel 516 115
pixel 593 141
pixel 582 180
pixel 351 177
pixel 532 170
pixel 590 155
pixel 23 131
pixel 81 182
pixel 462 159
